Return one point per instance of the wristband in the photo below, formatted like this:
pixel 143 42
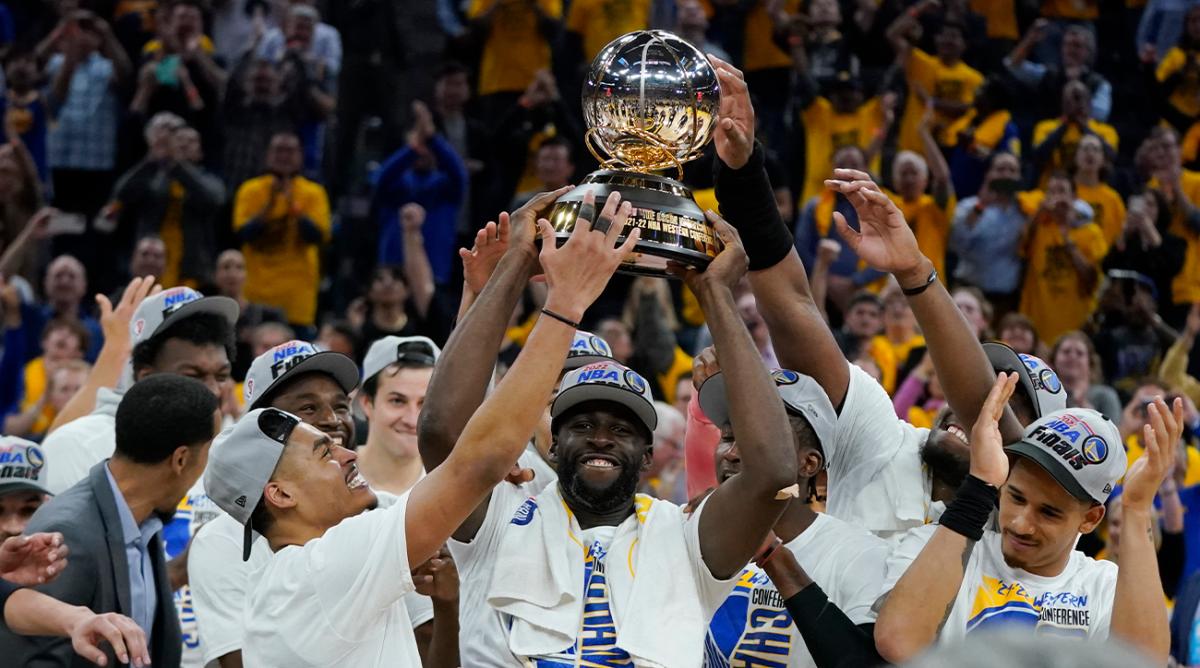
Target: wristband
pixel 561 318
pixel 748 204
pixel 764 555
pixel 912 292
pixel 972 506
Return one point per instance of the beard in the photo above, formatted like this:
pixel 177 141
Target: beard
pixel 948 459
pixel 579 494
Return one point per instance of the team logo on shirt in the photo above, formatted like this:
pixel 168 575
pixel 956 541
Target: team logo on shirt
pixel 524 514
pixel 751 628
pixel 999 604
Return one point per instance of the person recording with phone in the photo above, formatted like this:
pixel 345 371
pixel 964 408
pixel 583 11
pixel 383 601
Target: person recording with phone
pixel 986 234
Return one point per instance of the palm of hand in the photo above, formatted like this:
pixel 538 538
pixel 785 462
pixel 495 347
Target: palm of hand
pixel 881 228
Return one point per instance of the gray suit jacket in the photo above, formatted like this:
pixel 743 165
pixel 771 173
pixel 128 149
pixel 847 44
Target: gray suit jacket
pixel 97 576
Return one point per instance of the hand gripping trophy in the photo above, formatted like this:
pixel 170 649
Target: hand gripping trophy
pixel 650 102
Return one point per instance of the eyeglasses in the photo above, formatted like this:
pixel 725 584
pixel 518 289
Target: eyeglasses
pixel 276 425
pixel 415 351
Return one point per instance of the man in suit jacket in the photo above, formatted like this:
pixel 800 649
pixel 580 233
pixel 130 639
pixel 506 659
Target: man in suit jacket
pixel 112 520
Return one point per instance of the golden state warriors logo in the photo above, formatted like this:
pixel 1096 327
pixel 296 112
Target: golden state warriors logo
pixel 1094 449
pixel 785 377
pixel 1050 381
pixel 599 345
pixel 35 457
pixel 636 382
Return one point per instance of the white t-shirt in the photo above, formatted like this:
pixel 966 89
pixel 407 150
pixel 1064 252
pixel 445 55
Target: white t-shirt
pixel 1077 603
pixel 752 627
pixel 74 448
pixel 483 637
pixel 219 579
pixel 336 600
pixel 876 477
pixel 543 473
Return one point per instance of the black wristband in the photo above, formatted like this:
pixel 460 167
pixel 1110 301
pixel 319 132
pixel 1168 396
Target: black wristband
pixel 748 203
pixel 561 318
pixel 912 292
pixel 972 506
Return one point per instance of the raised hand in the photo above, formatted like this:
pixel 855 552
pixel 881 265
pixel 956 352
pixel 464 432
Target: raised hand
pixel 33 560
pixel 524 221
pixel 114 321
pixel 577 272
pixel 727 268
pixel 884 240
pixel 490 243
pixel 1161 434
pixel 988 461
pixel 126 638
pixel 412 217
pixel 734 132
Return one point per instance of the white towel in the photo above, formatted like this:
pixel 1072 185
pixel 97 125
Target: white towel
pixel 538 582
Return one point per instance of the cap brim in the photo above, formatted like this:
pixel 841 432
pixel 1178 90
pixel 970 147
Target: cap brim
pixel 222 306
pixel 1051 465
pixel 712 400
pixel 578 361
pixel 343 370
pixel 22 486
pixel 1003 358
pixel 578 394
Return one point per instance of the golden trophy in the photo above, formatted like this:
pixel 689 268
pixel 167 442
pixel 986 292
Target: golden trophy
pixel 650 102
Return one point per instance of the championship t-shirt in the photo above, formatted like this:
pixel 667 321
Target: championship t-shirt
pixel 193 512
pixel 338 599
pixel 483 631
pixel 752 627
pixel 220 579
pixel 1077 603
pixel 876 478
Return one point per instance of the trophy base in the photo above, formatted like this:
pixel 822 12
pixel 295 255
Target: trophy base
pixel 672 224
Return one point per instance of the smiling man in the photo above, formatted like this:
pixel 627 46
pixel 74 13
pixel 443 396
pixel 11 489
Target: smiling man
pixel 311 383
pixel 1051 487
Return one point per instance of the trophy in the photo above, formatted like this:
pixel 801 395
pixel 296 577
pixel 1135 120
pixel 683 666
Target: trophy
pixel 650 102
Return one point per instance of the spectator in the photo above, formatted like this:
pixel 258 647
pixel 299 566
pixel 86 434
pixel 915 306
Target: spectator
pixel 163 433
pixel 85 73
pixel 258 105
pixel 1178 75
pixel 1017 332
pixel 230 281
pixel 427 172
pixel 1132 338
pixel 169 195
pixel 1147 246
pixel 399 302
pixel 919 398
pixel 927 213
pixel 980 136
pixel 281 220
pixel 1174 367
pixel 665 478
pixel 24 111
pixel 1161 26
pixel 149 260
pixel 862 322
pixel 898 339
pixel 515 39
pixel 975 308
pixel 943 80
pixel 594 23
pixel 1063 251
pixel 1091 169
pixel 1056 139
pixel 1075 360
pixel 315 78
pixel 64 289
pixel 63 341
pixel 469 137
pixel 553 168
pixel 1074 63
pixel 178 73
pixel 20 199
pixel 1181 190
pixel 320 42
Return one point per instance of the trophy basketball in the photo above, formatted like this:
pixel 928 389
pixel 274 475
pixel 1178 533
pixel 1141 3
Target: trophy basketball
pixel 650 102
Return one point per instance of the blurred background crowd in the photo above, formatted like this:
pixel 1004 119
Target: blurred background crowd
pixel 323 162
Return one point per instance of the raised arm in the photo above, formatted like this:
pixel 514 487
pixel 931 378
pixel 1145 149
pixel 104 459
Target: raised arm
pixel 886 242
pixel 776 273
pixel 742 511
pixel 913 613
pixel 416 260
pixel 497 433
pixel 1139 616
pixel 464 368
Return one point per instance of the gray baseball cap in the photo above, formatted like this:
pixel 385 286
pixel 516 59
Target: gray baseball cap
pixel 1080 448
pixel 801 395
pixel 241 461
pixel 159 311
pixel 606 381
pixel 586 348
pixel 288 360
pixel 392 349
pixel 22 466
pixel 1038 380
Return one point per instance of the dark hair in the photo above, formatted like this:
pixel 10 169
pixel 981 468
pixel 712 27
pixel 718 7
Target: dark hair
pixel 558 140
pixel 451 68
pixel 371 385
pixel 863 296
pixel 161 413
pixel 73 326
pixel 344 329
pixel 200 329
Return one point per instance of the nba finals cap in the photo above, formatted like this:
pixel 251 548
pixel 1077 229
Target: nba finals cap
pixel 801 396
pixel 288 360
pixel 1037 379
pixel 393 349
pixel 22 466
pixel 241 461
pixel 1080 448
pixel 159 311
pixel 587 348
pixel 606 381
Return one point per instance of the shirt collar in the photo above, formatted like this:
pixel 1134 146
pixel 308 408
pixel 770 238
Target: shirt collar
pixel 132 533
